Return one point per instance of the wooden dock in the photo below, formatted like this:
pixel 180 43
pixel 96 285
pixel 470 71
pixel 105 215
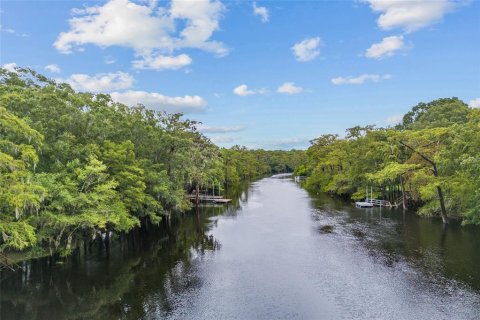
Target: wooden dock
pixel 207 198
pixel 369 203
pixel 380 203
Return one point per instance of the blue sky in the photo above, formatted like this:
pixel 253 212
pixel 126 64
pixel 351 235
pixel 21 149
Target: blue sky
pixel 271 74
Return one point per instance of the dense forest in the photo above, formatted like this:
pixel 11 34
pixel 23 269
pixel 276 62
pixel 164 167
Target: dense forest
pixel 429 162
pixel 78 166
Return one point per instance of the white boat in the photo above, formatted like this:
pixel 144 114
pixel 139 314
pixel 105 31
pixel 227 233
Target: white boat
pixel 362 204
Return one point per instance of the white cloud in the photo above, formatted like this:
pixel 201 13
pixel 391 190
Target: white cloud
pixel 101 82
pixel 222 139
pixel 116 23
pixel 163 62
pixel 261 11
pixel 289 88
pixel 152 31
pixel 393 120
pixel 410 15
pixel 7 30
pixel 13 32
pixel 307 49
pixel 219 129
pixel 475 103
pixel 242 90
pixel 202 20
pixel 53 68
pixel 360 79
pixel 185 104
pixel 386 48
pixel 10 67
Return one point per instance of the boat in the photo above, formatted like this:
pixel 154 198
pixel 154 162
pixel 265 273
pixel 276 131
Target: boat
pixel 363 204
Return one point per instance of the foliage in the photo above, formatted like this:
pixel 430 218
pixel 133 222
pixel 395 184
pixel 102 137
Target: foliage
pixel 243 164
pixel 431 159
pixel 77 166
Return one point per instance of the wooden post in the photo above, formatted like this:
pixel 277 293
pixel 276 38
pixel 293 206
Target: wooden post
pixel 404 196
pixel 197 192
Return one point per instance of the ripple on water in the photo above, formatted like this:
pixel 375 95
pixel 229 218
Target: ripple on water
pixel 425 292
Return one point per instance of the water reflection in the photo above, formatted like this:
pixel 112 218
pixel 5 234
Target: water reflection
pixel 393 236
pixel 275 252
pixel 97 283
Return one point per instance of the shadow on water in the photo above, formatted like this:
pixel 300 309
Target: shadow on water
pixel 393 237
pixel 111 283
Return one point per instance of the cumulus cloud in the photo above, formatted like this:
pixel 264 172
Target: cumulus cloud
pixel 116 23
pixel 306 49
pixel 386 48
pixel 475 103
pixel 163 62
pixel 219 129
pixel 101 82
pixel 152 31
pixel 157 101
pixel 242 90
pixel 10 67
pixel 410 15
pixel 360 79
pixel 202 20
pixel 289 88
pixel 262 12
pixel 53 68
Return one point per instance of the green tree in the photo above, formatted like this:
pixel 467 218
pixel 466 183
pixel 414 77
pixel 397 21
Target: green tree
pixel 20 197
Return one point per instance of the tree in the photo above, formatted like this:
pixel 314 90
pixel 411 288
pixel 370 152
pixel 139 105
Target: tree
pixel 433 152
pixel 19 196
pixel 425 144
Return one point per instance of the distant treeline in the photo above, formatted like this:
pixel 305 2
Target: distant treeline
pixel 241 163
pixel 430 161
pixel 78 166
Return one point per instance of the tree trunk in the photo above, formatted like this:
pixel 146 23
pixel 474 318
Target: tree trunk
pixel 197 192
pixel 443 210
pixel 442 205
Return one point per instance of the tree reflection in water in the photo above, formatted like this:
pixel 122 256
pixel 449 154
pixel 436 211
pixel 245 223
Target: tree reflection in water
pixel 140 273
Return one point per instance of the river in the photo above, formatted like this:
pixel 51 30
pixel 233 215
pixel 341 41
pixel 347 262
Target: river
pixel 277 252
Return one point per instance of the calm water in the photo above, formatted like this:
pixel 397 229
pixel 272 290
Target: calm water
pixel 276 253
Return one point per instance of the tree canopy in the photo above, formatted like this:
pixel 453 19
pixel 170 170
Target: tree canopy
pixel 76 166
pixel 429 161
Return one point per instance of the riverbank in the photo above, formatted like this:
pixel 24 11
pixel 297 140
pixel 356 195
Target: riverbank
pixel 268 257
pixel 412 207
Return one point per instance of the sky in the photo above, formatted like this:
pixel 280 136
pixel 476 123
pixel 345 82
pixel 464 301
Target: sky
pixel 264 74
